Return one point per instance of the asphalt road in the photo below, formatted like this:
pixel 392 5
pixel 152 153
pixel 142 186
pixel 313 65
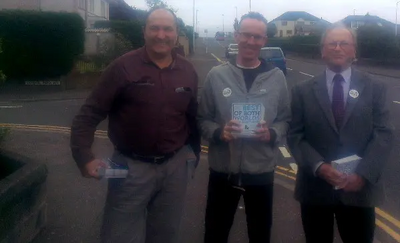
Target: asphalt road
pixel 79 202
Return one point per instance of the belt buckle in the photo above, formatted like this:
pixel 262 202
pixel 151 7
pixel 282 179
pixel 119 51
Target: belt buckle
pixel 155 160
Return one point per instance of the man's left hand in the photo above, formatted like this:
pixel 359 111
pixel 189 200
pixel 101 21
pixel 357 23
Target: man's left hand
pixel 354 183
pixel 262 132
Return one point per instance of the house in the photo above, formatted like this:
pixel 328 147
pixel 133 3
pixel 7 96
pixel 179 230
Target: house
pixel 96 10
pixel 355 21
pixel 298 23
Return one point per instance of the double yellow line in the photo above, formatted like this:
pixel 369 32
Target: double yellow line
pixel 387 226
pixel 46 128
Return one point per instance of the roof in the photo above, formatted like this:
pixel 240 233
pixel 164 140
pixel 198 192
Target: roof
pixel 295 15
pixel 367 17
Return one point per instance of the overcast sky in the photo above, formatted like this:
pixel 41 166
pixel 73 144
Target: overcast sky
pixel 211 11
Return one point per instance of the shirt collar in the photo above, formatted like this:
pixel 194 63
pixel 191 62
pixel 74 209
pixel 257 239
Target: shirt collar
pixel 345 73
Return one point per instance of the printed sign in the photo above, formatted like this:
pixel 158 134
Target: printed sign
pixel 249 114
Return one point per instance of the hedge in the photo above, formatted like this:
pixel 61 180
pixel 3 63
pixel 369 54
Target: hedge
pixel 39 45
pixel 374 42
pixel 130 30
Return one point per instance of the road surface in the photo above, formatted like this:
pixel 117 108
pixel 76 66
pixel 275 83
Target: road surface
pixel 75 203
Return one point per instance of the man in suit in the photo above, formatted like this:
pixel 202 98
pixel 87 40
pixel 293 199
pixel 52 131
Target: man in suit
pixel 337 114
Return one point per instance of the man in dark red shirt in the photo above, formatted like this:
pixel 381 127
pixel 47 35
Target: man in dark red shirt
pixel 150 98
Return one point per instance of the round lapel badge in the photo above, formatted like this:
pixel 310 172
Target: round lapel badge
pixel 353 93
pixel 227 92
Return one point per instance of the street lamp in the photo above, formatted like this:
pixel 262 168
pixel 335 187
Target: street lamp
pixel 223 29
pixel 194 35
pixel 197 21
pixel 396 27
pixel 250 5
pixel 236 11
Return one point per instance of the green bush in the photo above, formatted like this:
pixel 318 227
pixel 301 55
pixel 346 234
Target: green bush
pixel 2 76
pixel 4 131
pixel 129 30
pixel 39 45
pixel 377 42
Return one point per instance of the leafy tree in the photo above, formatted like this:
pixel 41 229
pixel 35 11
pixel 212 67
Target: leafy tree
pixel 271 30
pixel 2 76
pixel 159 3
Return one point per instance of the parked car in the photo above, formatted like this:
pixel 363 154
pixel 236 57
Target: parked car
pixel 275 56
pixel 231 50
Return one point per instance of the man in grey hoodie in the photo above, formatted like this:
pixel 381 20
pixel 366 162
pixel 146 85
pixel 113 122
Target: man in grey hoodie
pixel 243 166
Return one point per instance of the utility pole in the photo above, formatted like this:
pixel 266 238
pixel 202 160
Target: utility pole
pixel 250 5
pixel 194 34
pixel 396 27
pixel 197 21
pixel 236 11
pixel 223 29
pixel 86 13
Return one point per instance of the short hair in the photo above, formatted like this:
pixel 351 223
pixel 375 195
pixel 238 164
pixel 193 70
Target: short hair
pixel 338 25
pixel 254 15
pixel 153 9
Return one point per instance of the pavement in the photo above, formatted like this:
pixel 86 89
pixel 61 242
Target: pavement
pixel 41 130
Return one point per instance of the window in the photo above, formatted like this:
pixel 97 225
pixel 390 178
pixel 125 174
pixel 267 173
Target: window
pixel 312 22
pixel 103 9
pixel 81 4
pixel 300 22
pixel 289 32
pixel 91 6
pixel 284 23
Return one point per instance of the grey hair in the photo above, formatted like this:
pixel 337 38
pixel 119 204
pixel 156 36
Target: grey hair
pixel 339 25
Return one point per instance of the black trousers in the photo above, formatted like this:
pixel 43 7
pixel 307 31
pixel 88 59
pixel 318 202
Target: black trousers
pixel 222 203
pixel 355 224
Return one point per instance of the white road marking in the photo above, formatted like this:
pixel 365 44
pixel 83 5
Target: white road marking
pixel 307 74
pixel 285 153
pixel 289 69
pixel 294 167
pixel 10 106
pixel 396 102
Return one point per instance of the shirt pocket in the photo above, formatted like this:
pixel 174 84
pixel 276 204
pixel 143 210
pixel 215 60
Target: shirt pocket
pixel 180 97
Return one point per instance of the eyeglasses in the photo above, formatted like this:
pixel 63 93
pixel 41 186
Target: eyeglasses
pixel 248 36
pixel 341 44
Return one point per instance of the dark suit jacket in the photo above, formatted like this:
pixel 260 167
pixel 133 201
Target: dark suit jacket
pixel 314 137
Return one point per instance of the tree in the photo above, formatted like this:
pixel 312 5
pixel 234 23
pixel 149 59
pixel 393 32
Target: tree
pixel 271 30
pixel 159 3
pixel 236 24
pixel 2 76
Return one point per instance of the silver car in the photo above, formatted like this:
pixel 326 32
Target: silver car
pixel 231 50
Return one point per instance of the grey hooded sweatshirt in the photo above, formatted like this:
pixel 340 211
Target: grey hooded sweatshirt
pixel 243 161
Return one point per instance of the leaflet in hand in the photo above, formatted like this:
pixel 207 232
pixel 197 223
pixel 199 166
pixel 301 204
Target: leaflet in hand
pixel 113 170
pixel 346 165
pixel 249 115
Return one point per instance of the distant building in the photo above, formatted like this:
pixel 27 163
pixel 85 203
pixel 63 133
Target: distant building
pixel 298 23
pixel 97 9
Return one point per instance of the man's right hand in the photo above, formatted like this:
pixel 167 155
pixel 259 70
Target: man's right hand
pixel 332 176
pixel 232 126
pixel 91 169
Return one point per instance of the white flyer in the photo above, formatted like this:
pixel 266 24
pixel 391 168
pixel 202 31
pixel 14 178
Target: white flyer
pixel 249 115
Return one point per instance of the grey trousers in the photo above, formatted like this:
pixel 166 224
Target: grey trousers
pixel 147 206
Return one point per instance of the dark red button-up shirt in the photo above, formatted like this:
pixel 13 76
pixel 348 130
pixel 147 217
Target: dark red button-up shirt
pixel 151 111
